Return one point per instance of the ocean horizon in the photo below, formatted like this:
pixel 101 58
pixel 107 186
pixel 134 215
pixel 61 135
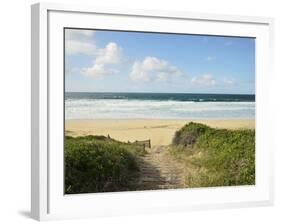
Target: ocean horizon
pixel 122 105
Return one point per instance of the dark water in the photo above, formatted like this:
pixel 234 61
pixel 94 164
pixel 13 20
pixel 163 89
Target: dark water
pixel 163 96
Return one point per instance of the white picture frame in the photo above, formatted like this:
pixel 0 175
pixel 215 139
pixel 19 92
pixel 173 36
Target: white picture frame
pixel 47 198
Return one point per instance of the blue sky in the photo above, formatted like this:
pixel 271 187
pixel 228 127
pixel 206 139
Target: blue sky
pixel 111 61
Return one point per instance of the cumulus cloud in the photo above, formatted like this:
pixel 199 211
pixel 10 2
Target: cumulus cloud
pixel 153 69
pixel 110 55
pixel 204 80
pixel 79 42
pixel 98 71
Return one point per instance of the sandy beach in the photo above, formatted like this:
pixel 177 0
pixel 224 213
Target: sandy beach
pixel 160 132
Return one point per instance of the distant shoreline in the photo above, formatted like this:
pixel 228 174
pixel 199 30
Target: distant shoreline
pixel 250 94
pixel 160 131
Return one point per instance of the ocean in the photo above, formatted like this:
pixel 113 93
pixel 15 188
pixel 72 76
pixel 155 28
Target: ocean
pixel 86 105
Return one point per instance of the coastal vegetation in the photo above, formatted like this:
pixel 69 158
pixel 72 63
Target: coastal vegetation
pixel 99 164
pixel 199 156
pixel 215 157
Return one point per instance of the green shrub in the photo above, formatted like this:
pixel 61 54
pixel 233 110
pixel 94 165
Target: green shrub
pixel 220 157
pixel 98 164
pixel 189 133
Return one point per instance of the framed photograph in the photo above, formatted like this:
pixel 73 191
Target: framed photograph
pixel 148 111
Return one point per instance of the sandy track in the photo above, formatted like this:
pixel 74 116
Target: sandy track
pixel 159 170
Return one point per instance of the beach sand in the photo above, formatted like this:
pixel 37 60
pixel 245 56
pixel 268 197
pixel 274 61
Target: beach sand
pixel 160 132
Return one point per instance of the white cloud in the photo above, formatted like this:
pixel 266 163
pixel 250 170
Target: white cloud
pixel 228 81
pixel 153 69
pixel 79 42
pixel 111 54
pixel 98 71
pixel 137 72
pixel 71 34
pixel 82 42
pixel 210 58
pixel 161 77
pixel 78 47
pixel 204 80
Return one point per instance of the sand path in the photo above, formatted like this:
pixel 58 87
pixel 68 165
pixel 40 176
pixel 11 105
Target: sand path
pixel 159 170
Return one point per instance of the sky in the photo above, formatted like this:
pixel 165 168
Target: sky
pixel 118 61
